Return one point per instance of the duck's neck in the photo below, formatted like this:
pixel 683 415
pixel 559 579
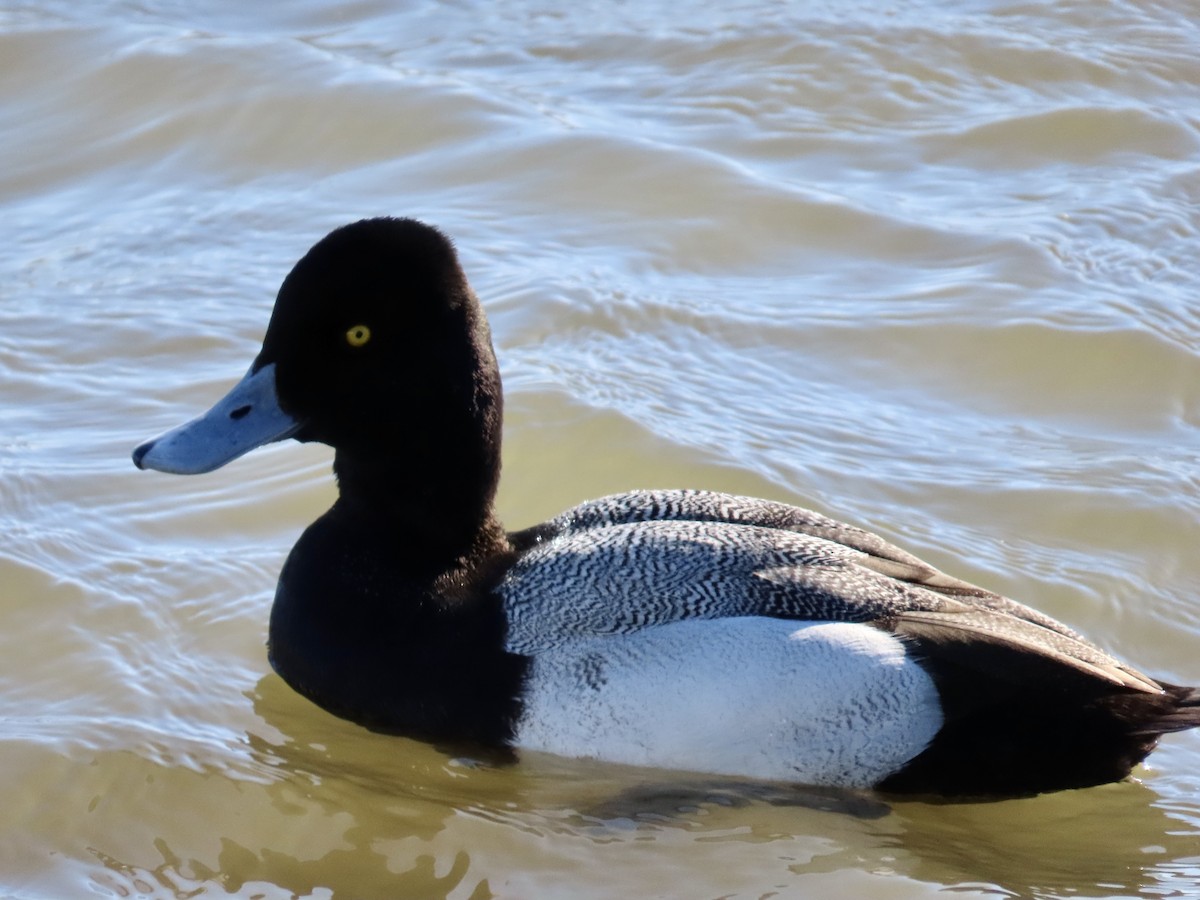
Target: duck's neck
pixel 433 505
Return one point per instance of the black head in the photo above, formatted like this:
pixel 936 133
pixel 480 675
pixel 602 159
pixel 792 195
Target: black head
pixel 380 344
pixel 378 347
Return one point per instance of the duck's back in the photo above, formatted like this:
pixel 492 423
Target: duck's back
pixel 705 631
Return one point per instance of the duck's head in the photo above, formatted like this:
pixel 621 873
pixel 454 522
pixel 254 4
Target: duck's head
pixel 376 346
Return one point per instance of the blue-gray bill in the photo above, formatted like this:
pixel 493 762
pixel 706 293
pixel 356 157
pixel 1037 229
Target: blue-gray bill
pixel 247 417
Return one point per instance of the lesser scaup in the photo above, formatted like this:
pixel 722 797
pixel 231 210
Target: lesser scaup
pixel 681 629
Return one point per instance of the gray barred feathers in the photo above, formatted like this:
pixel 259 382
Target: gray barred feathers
pixel 620 578
pixel 623 563
pixel 709 506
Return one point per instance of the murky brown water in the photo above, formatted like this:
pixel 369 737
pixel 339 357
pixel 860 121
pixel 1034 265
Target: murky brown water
pixel 929 267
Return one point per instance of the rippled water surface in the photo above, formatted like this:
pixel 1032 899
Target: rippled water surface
pixel 928 267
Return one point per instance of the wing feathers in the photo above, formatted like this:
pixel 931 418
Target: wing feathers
pixel 974 627
pixel 631 561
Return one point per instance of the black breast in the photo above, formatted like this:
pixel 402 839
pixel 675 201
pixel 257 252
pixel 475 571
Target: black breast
pixel 361 632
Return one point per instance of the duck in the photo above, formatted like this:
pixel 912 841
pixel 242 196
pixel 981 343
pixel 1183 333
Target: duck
pixel 675 629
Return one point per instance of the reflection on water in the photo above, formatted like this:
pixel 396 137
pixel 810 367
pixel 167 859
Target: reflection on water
pixel 344 811
pixel 930 268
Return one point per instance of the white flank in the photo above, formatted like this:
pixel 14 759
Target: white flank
pixel 827 703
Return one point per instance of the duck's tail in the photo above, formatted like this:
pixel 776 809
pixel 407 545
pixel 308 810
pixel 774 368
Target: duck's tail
pixel 1183 712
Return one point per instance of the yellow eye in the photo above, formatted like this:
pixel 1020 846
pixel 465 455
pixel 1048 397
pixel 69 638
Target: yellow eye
pixel 358 335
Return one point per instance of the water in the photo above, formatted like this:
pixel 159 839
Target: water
pixel 928 267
